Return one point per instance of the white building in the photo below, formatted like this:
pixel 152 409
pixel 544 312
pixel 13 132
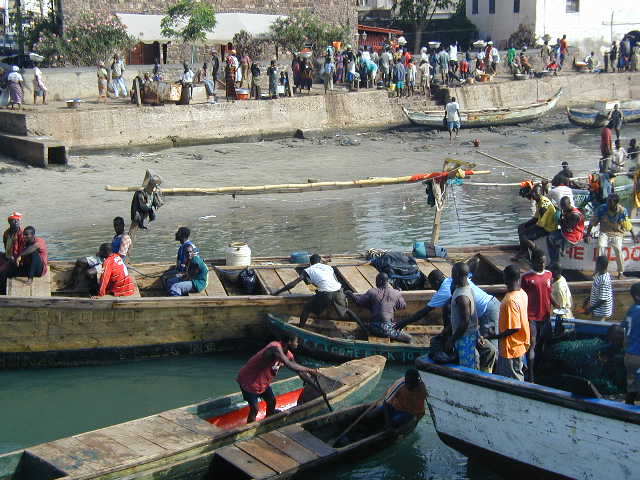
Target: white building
pixel 585 22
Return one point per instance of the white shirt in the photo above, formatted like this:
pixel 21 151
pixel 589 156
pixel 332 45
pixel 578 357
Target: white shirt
pixel 619 156
pixel 366 55
pixel 452 112
pixel 556 194
pixel 412 70
pixel 15 77
pixel 323 277
pixel 187 77
pixel 453 53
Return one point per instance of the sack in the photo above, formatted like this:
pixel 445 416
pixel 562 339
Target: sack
pixel 402 270
pixel 627 226
pixel 248 281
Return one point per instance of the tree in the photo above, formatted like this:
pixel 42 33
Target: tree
pixel 524 36
pixel 189 21
pixel 292 33
pixel 419 14
pixel 247 44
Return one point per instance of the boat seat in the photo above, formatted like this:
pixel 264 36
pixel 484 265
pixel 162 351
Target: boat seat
pixel 215 288
pixel 379 339
pixel 40 287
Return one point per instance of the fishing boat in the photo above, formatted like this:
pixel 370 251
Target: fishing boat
pixel 486 117
pixel 597 115
pixel 338 340
pixel 534 430
pixel 149 448
pixel 290 451
pixel 45 324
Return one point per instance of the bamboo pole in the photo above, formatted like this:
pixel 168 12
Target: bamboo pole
pixel 297 187
pixel 514 166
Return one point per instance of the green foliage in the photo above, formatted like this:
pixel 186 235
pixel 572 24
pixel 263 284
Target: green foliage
pixel 247 44
pixel 295 31
pixel 40 26
pixel 419 11
pixel 85 42
pixel 524 36
pixel 189 21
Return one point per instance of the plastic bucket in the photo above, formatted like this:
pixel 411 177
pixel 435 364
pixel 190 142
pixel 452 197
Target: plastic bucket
pixel 300 257
pixel 238 254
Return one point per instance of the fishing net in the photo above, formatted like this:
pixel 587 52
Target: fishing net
pixel 592 358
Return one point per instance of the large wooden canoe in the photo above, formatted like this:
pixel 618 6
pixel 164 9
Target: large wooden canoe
pixel 46 325
pixel 337 340
pixel 593 117
pixel 179 443
pixel 532 430
pixel 488 117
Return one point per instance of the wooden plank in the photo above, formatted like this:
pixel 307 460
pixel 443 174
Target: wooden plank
pixel 245 462
pixel 444 266
pixel 76 458
pixel 379 339
pixel 289 275
pixel 166 433
pixel 369 272
pixel 124 435
pixel 40 287
pixel 108 447
pixel 425 267
pixel 268 455
pixel 354 279
pixel 307 440
pixel 215 286
pixel 192 422
pixel 61 459
pixel 269 279
pixel 287 445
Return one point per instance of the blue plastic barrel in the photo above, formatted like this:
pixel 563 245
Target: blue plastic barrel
pixel 300 257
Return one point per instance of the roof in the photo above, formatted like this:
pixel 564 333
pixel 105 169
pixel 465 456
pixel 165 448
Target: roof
pixel 380 30
pixel 147 29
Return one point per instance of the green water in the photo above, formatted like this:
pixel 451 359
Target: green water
pixel 42 405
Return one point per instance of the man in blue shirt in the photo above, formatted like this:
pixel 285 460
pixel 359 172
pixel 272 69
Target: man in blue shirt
pixel 631 326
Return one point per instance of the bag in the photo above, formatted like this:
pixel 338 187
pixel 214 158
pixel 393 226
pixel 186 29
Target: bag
pixel 248 281
pixel 437 352
pixel 402 270
pixel 627 226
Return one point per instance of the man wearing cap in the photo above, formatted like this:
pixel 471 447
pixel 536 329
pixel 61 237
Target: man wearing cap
pixel 13 240
pixel 32 260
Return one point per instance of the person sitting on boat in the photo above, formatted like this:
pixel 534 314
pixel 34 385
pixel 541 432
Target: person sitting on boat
pixel 631 326
pixel 115 279
pixel 404 401
pixel 32 261
pixel 182 237
pixel 614 222
pixel 464 319
pixel 514 335
pixel 382 301
pixel 256 375
pixel 560 187
pixel 329 291
pixel 618 158
pixel 13 241
pixel 194 279
pixel 571 231
pixel 89 268
pixel 121 242
pixel 540 225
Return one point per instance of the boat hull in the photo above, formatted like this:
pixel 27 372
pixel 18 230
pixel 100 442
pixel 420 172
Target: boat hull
pixel 593 118
pixel 516 424
pixel 469 119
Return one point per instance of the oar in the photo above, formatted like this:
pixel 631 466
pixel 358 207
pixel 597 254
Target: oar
pixel 316 383
pixel 513 165
pixel 357 420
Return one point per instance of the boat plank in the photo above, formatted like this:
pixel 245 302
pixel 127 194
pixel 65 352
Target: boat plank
pixel 444 266
pixel 268 455
pixel 269 279
pixel 501 260
pixel 289 446
pixel 40 287
pixel 245 462
pixel 425 267
pixel 125 435
pixel 307 440
pixel 109 448
pixel 191 422
pixel 164 433
pixel 289 275
pixel 72 456
pixel 214 285
pixel 369 272
pixel 354 279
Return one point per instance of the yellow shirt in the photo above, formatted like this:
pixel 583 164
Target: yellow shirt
pixel 548 219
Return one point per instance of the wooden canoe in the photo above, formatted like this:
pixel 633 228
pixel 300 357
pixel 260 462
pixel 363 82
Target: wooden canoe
pixel 568 435
pixel 592 117
pixel 487 117
pixel 337 340
pixel 148 448
pixel 290 451
pixel 47 325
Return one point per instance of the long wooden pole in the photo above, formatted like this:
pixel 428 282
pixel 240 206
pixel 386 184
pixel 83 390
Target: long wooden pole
pixel 514 166
pixel 435 232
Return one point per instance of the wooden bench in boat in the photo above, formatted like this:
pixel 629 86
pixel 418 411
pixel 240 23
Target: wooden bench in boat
pixel 40 287
pixel 215 288
pixel 272 279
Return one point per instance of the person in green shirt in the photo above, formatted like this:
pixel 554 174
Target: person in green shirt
pixel 511 57
pixel 196 277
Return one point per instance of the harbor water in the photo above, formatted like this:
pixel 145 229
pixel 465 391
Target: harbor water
pixel 42 405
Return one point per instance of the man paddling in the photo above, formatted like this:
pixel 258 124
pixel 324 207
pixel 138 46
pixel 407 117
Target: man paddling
pixel 256 375
pixel 329 291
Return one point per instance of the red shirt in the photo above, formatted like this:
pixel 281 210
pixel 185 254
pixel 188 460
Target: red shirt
pixel 575 235
pixel 537 286
pixel 115 279
pixel 605 142
pixel 17 242
pixel 258 373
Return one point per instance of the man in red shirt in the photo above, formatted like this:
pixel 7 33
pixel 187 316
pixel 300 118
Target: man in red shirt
pixel 32 260
pixel 256 375
pixel 115 278
pixel 536 284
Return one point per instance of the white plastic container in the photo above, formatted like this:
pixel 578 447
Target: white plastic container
pixel 238 254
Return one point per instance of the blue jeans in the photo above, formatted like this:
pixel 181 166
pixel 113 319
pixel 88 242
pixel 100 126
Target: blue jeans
pixel 180 289
pixel 556 244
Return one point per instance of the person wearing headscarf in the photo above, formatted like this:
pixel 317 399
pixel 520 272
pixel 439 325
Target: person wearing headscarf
pixel 16 87
pixel 39 88
pixel 103 82
pixel 186 79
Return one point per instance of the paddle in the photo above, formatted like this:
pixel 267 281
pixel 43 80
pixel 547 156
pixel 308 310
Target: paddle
pixel 357 420
pixel 316 383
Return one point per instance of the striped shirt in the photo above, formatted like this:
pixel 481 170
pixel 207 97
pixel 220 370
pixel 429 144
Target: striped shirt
pixel 601 290
pixel 115 278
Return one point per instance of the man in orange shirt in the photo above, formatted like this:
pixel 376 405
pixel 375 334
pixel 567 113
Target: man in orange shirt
pixel 404 400
pixel 514 336
pixel 115 278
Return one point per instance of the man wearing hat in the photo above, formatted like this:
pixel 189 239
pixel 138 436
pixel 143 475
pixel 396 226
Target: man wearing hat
pixel 13 241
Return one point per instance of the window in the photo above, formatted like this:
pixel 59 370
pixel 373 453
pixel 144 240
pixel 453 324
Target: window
pixel 573 6
pixel 492 7
pixel 474 7
pixel 516 6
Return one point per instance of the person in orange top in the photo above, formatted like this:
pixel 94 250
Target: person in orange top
pixel 514 336
pixel 115 278
pixel 405 399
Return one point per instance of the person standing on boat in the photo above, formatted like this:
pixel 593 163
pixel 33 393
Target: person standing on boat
pixel 452 115
pixel 536 283
pixel 464 319
pixel 560 292
pixel 614 222
pixel 256 375
pixel 616 118
pixel 606 141
pixel 329 291
pixel 631 326
pixel 619 157
pixel 600 302
pixel 382 301
pixel 514 335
